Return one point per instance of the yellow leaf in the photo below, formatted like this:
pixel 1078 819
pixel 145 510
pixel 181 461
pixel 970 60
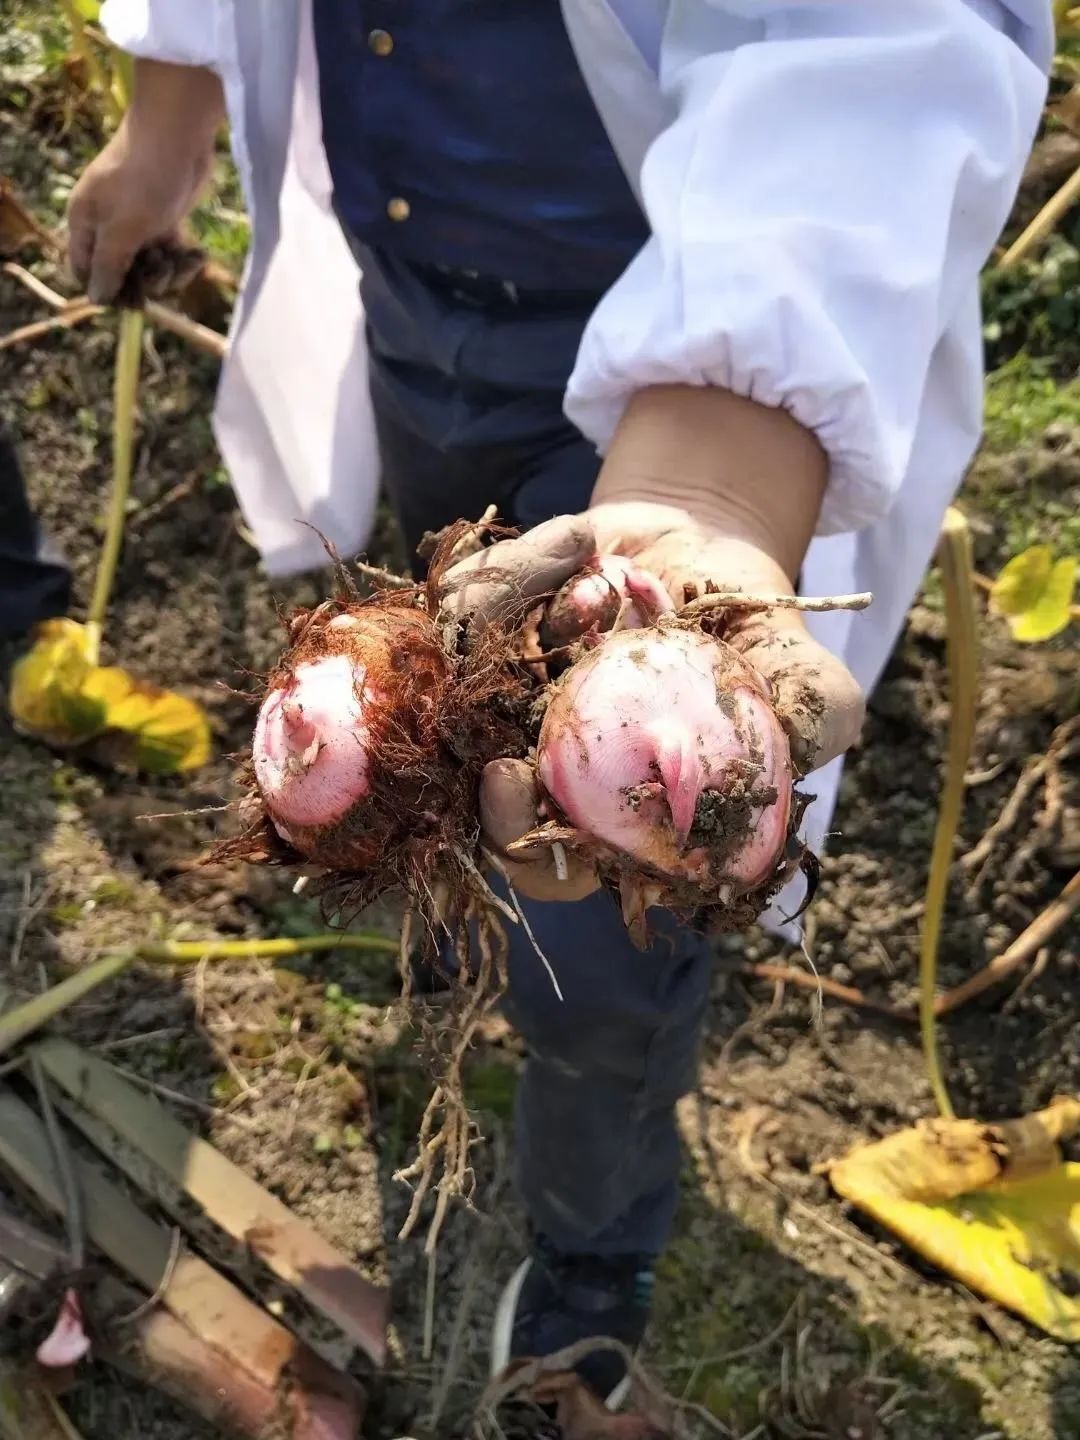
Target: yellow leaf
pixel 1022 581
pixel 175 735
pixel 1053 610
pixel 991 1205
pixel 166 731
pixel 45 697
pixel 1034 592
pixel 59 696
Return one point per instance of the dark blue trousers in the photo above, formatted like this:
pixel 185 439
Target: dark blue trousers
pixel 32 586
pixel 597 1150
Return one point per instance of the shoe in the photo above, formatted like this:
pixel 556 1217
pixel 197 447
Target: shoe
pixel 554 1300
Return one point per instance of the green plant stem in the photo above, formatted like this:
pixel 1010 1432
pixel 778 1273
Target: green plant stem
pixel 190 952
pixel 961 646
pixel 81 41
pixel 125 392
pixel 17 1024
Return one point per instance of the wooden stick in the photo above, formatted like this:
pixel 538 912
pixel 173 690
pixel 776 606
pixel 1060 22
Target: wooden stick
pixel 1026 944
pixel 739 600
pixel 765 970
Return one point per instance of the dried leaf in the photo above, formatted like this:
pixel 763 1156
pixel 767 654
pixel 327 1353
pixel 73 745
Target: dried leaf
pixel 991 1205
pixel 582 1415
pixel 196 1294
pixel 17 226
pixel 291 1247
pixel 27 1410
pixel 1067 110
pixel 1034 592
pixel 160 1351
pixel 58 695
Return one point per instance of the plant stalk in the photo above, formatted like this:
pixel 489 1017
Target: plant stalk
pixel 17 1024
pixel 961 648
pixel 85 51
pixel 1043 223
pixel 125 392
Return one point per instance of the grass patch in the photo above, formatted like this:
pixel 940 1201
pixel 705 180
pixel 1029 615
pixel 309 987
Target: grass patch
pixel 1022 401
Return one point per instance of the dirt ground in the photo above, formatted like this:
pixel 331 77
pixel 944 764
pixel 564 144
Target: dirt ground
pixel 773 1297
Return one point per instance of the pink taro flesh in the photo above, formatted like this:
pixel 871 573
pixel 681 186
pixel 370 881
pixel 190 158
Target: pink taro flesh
pixel 312 744
pixel 645 725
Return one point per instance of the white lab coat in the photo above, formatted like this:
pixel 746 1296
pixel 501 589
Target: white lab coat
pixel 824 180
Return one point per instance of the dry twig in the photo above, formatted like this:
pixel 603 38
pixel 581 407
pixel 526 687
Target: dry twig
pixel 766 970
pixel 69 1186
pixel 1019 952
pixel 73 314
pixel 201 336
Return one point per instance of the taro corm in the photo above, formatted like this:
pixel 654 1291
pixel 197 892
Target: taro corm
pixel 376 725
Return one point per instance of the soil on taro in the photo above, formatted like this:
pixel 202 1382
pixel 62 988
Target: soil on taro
pixel 310 1078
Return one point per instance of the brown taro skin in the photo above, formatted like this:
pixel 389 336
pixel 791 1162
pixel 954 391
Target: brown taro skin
pixel 351 707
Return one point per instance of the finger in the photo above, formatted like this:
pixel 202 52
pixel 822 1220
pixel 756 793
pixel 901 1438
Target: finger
pixel 509 809
pixel 495 582
pixel 509 801
pixel 817 699
pixel 114 250
pixel 80 252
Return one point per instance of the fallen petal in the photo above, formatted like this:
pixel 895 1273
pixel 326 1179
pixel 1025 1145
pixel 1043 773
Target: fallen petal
pixel 68 1342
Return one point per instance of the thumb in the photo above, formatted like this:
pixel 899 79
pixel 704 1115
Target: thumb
pixel 80 250
pixel 509 802
pixel 817 699
pixel 494 583
pixel 115 248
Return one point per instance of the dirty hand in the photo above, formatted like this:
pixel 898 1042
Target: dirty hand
pixel 146 179
pixel 683 544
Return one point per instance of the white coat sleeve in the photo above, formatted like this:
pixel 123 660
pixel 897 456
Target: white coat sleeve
pixel 180 32
pixel 820 205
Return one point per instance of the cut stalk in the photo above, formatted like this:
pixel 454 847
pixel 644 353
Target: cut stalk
pixel 17 1024
pixel 125 391
pixel 961 649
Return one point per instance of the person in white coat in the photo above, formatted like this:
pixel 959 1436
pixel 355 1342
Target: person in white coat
pixel 730 246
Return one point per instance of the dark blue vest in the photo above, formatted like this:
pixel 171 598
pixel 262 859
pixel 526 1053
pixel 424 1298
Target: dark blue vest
pixel 461 133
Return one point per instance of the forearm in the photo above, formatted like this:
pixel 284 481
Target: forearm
pixel 175 104
pixel 744 473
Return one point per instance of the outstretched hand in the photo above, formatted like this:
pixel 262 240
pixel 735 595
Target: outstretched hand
pixel 816 697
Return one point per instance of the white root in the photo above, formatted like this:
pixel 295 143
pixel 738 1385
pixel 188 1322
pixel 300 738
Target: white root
pixel 739 600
